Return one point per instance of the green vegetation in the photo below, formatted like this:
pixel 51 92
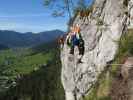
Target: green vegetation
pixel 126 44
pixel 22 64
pixel 102 89
pixel 125 49
pixel 43 84
pixel 31 74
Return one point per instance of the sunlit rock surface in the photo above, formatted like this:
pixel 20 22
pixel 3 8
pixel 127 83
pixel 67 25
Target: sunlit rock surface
pixel 101 34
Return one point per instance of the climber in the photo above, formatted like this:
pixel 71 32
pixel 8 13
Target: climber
pixel 74 39
pixel 80 43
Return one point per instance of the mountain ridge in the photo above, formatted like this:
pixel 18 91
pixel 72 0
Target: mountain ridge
pixel 17 39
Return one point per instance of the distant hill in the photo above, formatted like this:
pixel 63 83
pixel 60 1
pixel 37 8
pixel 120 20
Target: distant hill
pixel 3 47
pixel 16 39
pixel 45 47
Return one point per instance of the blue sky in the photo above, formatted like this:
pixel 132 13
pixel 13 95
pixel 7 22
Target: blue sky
pixel 28 16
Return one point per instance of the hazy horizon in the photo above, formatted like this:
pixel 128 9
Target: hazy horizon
pixel 29 16
pixel 33 32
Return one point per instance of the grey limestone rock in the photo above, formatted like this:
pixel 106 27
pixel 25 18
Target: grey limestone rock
pixel 100 47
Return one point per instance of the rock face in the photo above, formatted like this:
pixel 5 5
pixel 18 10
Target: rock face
pixel 100 33
pixel 130 10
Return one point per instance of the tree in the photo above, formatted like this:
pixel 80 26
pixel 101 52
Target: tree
pixel 63 7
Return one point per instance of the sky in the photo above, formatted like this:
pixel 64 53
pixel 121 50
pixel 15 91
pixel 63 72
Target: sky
pixel 28 16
